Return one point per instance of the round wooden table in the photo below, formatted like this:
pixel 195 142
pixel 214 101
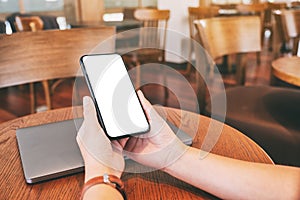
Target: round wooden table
pixel 150 185
pixel 287 69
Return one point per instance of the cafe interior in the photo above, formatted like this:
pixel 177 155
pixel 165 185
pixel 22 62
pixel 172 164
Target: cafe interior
pixel 231 61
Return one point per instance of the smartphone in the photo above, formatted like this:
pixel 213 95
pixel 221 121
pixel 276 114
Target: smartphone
pixel 118 107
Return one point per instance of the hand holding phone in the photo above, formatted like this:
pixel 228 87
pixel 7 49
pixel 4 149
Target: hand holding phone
pixel 118 107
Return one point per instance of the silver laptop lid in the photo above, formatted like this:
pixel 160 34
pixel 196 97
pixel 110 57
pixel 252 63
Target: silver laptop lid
pixel 49 151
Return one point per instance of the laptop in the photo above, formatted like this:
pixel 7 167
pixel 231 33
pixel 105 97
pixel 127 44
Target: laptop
pixel 50 151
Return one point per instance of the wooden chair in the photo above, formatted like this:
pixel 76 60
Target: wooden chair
pixel 49 21
pixel 281 38
pixel 240 35
pixel 255 9
pixel 288 30
pixel 29 57
pixel 196 13
pixel 152 39
pixel 33 24
pixel 269 20
pixel 292 21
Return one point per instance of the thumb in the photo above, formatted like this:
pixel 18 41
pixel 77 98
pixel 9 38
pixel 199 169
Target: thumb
pixel 89 111
pixel 146 104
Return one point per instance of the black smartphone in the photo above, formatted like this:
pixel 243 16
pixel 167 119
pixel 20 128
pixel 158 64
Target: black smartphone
pixel 118 107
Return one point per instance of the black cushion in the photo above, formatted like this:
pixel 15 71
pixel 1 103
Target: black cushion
pixel 268 115
pixel 2 27
pixel 49 22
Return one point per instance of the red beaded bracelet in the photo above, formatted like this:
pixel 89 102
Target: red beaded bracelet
pixel 111 180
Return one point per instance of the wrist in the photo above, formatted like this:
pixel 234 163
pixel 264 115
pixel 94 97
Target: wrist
pixel 104 187
pixel 102 191
pixel 94 171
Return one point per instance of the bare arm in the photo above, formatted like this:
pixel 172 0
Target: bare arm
pixel 224 177
pixel 234 179
pixel 100 155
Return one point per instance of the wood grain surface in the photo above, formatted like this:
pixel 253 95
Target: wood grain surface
pixel 150 185
pixel 287 69
pixel 45 55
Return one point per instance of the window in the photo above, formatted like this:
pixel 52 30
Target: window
pixel 43 5
pixel 129 3
pixel 9 6
pixel 114 9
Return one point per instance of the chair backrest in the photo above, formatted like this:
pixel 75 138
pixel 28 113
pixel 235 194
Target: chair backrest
pixel 251 8
pixel 270 8
pixel 201 12
pixel 281 27
pixel 156 22
pixel 281 36
pixel 227 6
pixel 256 9
pixel 35 56
pixel 288 28
pixel 229 35
pixel 32 23
pixel 295 4
pixel 276 6
pixel 292 22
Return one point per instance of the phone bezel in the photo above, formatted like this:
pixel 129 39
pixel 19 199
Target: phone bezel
pixel 99 116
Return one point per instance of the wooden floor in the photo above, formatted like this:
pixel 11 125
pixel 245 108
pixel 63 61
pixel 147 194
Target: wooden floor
pixel 15 100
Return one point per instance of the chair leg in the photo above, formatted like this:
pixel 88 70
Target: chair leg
pixel 296 42
pixel 241 69
pixel 134 62
pixel 76 98
pixel 227 63
pixel 32 99
pixel 187 72
pixel 200 92
pixel 56 83
pixel 47 93
pixel 166 91
pixel 138 75
pixel 258 58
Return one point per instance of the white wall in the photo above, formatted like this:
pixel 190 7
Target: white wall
pixel 178 22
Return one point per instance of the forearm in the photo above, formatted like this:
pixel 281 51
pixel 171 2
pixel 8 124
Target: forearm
pixel 231 179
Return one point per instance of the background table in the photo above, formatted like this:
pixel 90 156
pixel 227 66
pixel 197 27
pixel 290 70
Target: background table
pixel 120 25
pixel 287 69
pixel 150 185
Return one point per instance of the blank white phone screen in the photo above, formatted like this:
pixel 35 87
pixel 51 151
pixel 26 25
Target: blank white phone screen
pixel 118 103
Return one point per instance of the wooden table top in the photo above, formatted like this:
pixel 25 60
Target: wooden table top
pixel 150 185
pixel 287 69
pixel 120 25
